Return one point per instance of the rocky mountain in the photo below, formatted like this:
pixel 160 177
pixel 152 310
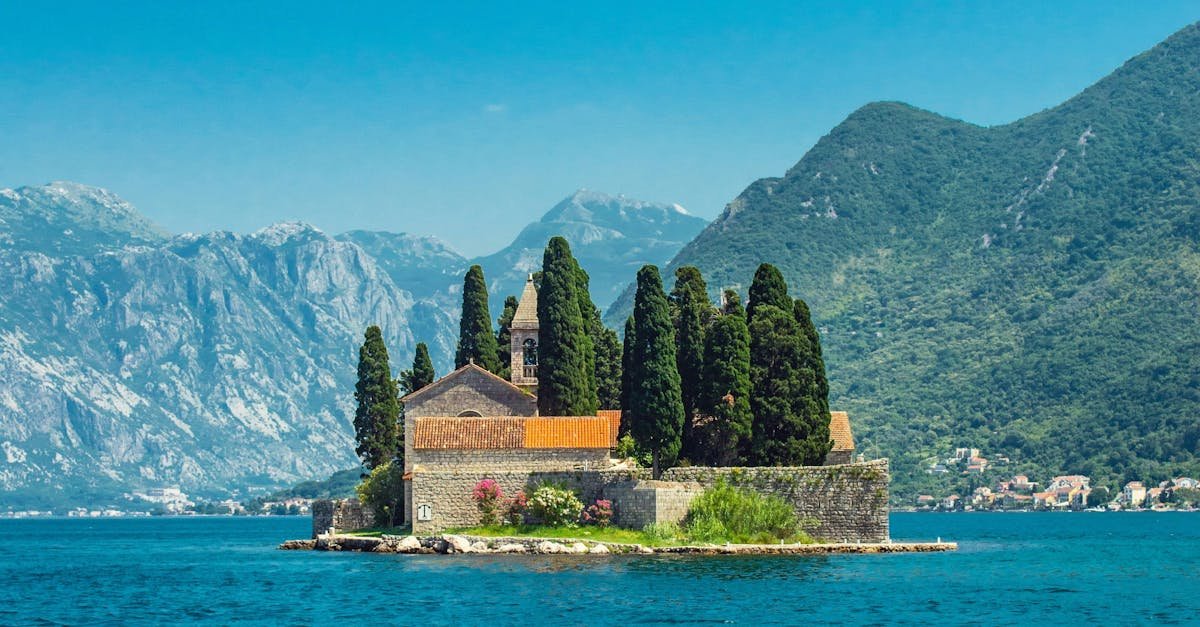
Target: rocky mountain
pixel 217 362
pixel 1031 289
pixel 611 236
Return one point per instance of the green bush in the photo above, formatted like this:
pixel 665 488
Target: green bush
pixel 724 513
pixel 662 533
pixel 383 493
pixel 555 505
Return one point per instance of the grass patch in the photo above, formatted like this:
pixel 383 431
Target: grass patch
pixel 613 535
pixel 375 532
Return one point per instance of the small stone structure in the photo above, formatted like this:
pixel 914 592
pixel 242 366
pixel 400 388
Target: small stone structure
pixel 340 515
pixel 644 502
pixel 845 503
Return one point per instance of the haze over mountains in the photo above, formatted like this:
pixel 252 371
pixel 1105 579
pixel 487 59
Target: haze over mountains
pixel 1031 289
pixel 130 358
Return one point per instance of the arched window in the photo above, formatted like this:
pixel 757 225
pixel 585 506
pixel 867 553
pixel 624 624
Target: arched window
pixel 529 348
pixel 470 413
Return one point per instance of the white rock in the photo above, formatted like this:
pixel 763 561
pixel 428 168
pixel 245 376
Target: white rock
pixel 599 549
pixel 645 550
pixel 579 548
pixel 409 544
pixel 478 547
pixel 547 547
pixel 510 548
pixel 459 544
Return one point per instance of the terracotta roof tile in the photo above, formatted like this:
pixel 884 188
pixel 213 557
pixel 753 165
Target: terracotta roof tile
pixel 839 431
pixel 513 432
pixel 614 424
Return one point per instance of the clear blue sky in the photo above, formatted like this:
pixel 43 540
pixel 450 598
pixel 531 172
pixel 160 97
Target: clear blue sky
pixel 467 122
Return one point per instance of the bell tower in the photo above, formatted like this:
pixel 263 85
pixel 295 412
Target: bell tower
pixel 524 334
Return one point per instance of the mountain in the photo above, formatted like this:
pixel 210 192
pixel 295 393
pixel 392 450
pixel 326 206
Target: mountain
pixel 220 362
pixel 1031 289
pixel 611 236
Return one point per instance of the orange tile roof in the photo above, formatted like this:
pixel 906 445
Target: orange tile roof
pixel 514 432
pixel 614 424
pixel 839 431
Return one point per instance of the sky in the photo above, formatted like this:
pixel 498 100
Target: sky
pixel 469 121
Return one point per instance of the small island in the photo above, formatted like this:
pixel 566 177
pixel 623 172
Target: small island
pixel 723 444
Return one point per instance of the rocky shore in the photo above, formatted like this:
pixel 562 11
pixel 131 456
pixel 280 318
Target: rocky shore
pixel 448 544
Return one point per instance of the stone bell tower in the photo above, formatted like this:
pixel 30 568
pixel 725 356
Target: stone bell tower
pixel 524 334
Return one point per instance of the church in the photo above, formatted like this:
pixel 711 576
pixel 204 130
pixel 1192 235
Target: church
pixel 472 424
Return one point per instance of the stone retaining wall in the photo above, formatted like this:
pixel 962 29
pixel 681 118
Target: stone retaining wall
pixel 525 458
pixel 341 515
pixel 448 492
pixel 845 503
pixel 640 503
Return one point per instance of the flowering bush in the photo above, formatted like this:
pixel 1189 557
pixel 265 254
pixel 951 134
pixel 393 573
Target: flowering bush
pixel 488 497
pixel 514 512
pixel 599 513
pixel 555 506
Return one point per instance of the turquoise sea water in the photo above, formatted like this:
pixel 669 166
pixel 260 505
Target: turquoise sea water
pixel 1012 568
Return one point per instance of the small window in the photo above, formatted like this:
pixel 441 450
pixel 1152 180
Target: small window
pixel 529 348
pixel 470 413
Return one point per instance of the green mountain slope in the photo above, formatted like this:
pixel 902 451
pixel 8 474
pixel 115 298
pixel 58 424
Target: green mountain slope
pixel 1032 289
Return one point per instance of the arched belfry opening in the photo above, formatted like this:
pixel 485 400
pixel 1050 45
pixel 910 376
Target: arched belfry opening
pixel 524 338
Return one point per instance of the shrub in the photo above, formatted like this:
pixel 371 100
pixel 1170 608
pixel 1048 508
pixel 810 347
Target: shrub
pixel 555 506
pixel 514 510
pixel 383 493
pixel 724 513
pixel 488 498
pixel 662 532
pixel 599 513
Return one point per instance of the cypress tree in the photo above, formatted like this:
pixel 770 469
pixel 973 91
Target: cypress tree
pixel 591 324
pixel 504 336
pixel 691 310
pixel 816 397
pixel 731 303
pixel 375 419
pixel 778 383
pixel 627 371
pixel 607 365
pixel 767 288
pixel 655 401
pixel 725 392
pixel 566 358
pixel 475 339
pixel 421 374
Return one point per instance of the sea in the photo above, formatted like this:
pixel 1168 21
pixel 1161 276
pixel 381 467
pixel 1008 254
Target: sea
pixel 1011 568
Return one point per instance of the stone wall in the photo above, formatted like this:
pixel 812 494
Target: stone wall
pixel 640 503
pixel 844 503
pixel 448 492
pixel 529 459
pixel 341 514
pixel 472 390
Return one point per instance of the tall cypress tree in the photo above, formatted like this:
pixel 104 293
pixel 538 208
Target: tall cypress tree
pixel 504 336
pixel 566 357
pixel 607 365
pixel 725 392
pixel 627 372
pixel 375 419
pixel 767 288
pixel 475 339
pixel 591 324
pixel 655 401
pixel 781 398
pixel 691 310
pixel 421 374
pixel 816 407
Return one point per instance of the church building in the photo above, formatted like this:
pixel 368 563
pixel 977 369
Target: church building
pixel 472 423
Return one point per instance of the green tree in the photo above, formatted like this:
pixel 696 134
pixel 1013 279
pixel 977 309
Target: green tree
pixel 778 380
pixel 421 374
pixel 475 338
pixel 375 420
pixel 383 492
pixel 725 391
pixel 566 357
pixel 655 401
pixel 504 336
pixel 591 324
pixel 691 310
pixel 767 288
pixel 607 366
pixel 627 371
pixel 816 408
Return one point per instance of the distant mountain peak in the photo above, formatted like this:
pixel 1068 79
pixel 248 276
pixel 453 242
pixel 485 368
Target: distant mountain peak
pixel 281 232
pixel 73 218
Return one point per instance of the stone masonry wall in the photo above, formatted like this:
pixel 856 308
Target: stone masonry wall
pixel 544 459
pixel 473 391
pixel 846 503
pixel 640 503
pixel 448 492
pixel 341 514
